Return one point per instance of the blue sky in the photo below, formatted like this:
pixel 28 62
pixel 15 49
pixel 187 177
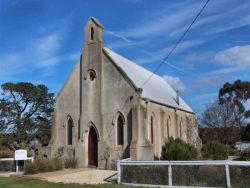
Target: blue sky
pixel 42 39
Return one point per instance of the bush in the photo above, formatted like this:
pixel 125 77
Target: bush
pixel 70 162
pixel 215 150
pixel 43 165
pixel 232 151
pixel 6 153
pixel 176 149
pixel 245 155
pixel 31 168
pixel 58 164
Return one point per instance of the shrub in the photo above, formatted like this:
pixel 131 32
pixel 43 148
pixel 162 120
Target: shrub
pixel 215 150
pixel 232 151
pixel 31 168
pixel 176 149
pixel 43 165
pixel 6 153
pixel 58 164
pixel 70 162
pixel 245 155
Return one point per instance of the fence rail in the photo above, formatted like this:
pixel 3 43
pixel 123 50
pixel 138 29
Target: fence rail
pixel 13 159
pixel 225 163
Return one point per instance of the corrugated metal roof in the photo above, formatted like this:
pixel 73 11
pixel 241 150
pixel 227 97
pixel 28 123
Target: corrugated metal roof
pixel 156 89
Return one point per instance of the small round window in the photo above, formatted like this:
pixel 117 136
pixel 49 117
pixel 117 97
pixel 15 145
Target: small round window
pixel 92 75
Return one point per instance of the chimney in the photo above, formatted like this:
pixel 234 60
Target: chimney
pixel 177 97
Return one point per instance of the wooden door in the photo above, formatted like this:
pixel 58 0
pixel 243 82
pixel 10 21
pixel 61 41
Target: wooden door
pixel 93 147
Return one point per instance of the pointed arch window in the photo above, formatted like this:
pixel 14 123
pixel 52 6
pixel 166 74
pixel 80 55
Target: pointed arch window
pixel 70 131
pixel 152 129
pixel 120 133
pixel 168 124
pixel 92 33
pixel 180 129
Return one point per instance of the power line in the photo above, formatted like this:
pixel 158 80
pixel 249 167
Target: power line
pixel 177 43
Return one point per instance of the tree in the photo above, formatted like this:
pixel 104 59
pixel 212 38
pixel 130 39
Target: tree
pixel 246 133
pixel 25 109
pixel 225 135
pixel 219 119
pixel 236 95
pixel 218 115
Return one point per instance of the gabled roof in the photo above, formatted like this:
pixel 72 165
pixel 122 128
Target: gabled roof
pixel 156 89
pixel 96 22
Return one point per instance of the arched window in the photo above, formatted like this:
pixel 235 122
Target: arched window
pixel 120 135
pixel 70 131
pixel 168 122
pixel 79 129
pixel 152 129
pixel 92 33
pixel 180 129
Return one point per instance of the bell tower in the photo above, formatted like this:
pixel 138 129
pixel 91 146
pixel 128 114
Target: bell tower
pixel 91 86
pixel 93 31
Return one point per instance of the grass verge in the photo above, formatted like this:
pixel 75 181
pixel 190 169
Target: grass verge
pixel 12 182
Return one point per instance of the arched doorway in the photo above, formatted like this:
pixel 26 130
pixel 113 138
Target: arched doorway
pixel 93 147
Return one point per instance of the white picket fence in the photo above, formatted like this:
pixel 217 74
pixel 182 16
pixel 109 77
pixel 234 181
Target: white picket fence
pixel 226 163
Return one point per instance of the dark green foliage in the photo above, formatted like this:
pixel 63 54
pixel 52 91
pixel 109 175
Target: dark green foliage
pixel 26 108
pixel 176 149
pixel 245 155
pixel 215 150
pixel 43 165
pixel 236 94
pixel 70 162
pixel 232 151
pixel 245 136
pixel 6 153
pixel 58 164
pixel 225 135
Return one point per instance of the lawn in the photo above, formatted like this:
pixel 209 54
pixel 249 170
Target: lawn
pixel 33 183
pixel 12 182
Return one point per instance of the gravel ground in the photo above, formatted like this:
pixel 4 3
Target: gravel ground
pixel 78 175
pixel 86 176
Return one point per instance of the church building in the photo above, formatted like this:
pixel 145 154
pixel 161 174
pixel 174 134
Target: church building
pixel 104 112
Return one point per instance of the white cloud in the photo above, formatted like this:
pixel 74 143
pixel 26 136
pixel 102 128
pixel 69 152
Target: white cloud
pixel 40 53
pixel 238 56
pixel 175 82
pixel 114 34
pixel 162 22
pixel 199 57
pixel 160 54
pixel 46 45
pixel 121 44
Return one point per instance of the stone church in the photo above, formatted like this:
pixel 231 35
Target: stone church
pixel 103 113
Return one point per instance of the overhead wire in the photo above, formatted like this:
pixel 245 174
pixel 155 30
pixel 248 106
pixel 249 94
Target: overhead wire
pixel 176 44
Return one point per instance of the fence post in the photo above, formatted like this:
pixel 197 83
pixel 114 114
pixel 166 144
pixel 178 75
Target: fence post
pixel 118 172
pixel 227 175
pixel 17 167
pixel 169 175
